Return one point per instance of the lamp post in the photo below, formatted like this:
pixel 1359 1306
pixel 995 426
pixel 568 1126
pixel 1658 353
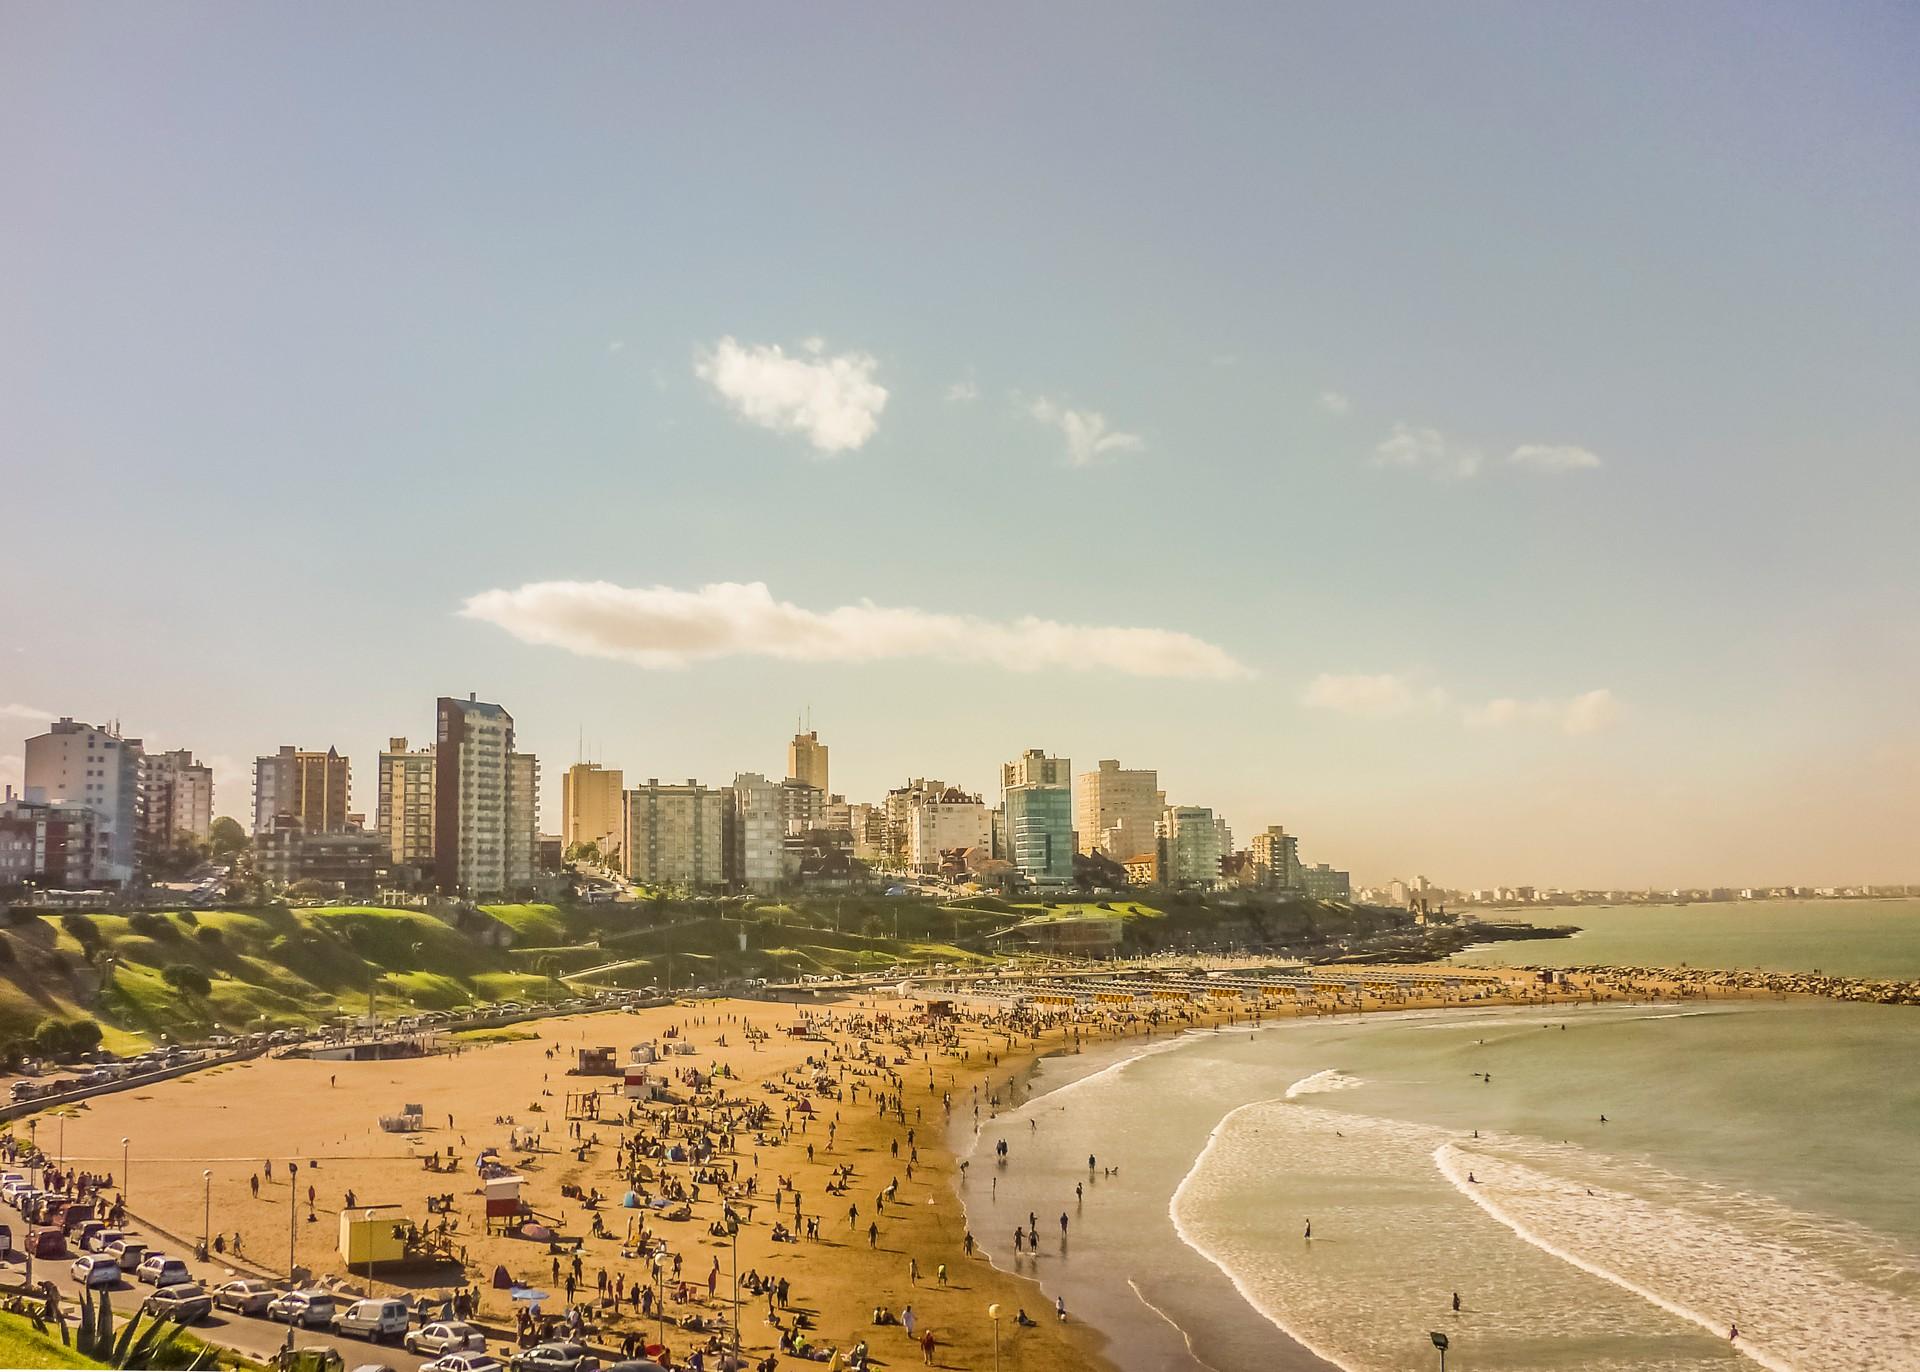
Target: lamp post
pixel 126 1168
pixel 1440 1342
pixel 367 1222
pixel 293 1231
pixel 733 1233
pixel 206 1216
pixel 993 1313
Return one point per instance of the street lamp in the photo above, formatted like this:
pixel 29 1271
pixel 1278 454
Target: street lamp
pixel 1440 1342
pixel 126 1169
pixel 993 1313
pixel 206 1216
pixel 733 1233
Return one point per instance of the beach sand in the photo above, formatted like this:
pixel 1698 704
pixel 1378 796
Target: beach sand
pixel 232 1120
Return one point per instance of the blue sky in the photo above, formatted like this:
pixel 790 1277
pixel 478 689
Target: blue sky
pixel 316 323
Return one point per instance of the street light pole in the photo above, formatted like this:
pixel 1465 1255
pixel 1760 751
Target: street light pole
pixel 993 1313
pixel 293 1230
pixel 733 1232
pixel 126 1168
pixel 206 1217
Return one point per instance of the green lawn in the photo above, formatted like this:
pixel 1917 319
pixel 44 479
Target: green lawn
pixel 21 1346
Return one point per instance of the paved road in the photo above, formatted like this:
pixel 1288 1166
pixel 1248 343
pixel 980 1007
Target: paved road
pixel 258 1338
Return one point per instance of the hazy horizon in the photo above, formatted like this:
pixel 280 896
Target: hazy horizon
pixel 1482 441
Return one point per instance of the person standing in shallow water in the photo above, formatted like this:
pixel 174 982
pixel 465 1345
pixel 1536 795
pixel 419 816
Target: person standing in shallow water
pixel 1309 1229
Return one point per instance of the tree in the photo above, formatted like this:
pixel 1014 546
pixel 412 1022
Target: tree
pixel 188 980
pixel 61 1038
pixel 228 838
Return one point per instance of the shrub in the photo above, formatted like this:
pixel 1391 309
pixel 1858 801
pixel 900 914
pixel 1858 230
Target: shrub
pixel 60 1038
pixel 144 924
pixel 208 935
pixel 188 918
pixel 188 980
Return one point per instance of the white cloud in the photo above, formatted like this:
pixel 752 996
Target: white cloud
pixel 615 345
pixel 964 390
pixel 662 627
pixel 1379 696
pixel 24 712
pixel 1554 457
pixel 832 399
pixel 1334 402
pixel 1587 713
pixel 1428 450
pixel 1088 436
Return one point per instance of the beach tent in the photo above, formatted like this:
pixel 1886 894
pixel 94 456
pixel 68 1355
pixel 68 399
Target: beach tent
pixel 630 1201
pixel 501 1281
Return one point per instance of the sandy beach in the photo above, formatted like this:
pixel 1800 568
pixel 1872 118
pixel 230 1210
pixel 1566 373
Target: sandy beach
pixel 857 1249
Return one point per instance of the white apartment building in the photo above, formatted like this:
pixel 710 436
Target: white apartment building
pixel 95 767
pixel 1115 809
pixel 942 822
pixel 472 788
pixel 177 799
pixel 1192 839
pixel 757 846
pixel 1276 857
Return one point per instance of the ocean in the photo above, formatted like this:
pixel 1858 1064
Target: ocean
pixel 1756 1168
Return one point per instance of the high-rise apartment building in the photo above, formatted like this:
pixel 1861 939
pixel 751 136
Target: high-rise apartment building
pixel 807 760
pixel 897 813
pixel 1036 794
pixel 757 833
pixel 801 805
pixel 523 820
pixel 941 822
pixel 1190 837
pixel 483 837
pixel 312 787
pixel 176 797
pixel 1115 809
pixel 95 767
pixel 405 817
pixel 592 807
pixel 1276 859
pixel 48 842
pixel 676 835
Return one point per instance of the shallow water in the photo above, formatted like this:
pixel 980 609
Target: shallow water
pixel 1755 1167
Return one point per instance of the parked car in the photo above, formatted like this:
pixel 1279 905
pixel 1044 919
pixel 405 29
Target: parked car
pixel 554 1357
pixel 95 1269
pixel 101 1240
pixel 463 1362
pixel 129 1253
pixel 308 1309
pixel 246 1297
pixel 374 1319
pixel 83 1236
pixel 187 1302
pixel 47 1244
pixel 446 1336
pixel 161 1270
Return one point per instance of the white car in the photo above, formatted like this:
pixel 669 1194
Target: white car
pixel 463 1362
pixel 95 1269
pixel 446 1336
pixel 246 1295
pixel 373 1319
pixel 308 1309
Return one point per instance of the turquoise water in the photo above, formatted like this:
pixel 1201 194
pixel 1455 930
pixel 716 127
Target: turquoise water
pixel 1854 938
pixel 1756 1167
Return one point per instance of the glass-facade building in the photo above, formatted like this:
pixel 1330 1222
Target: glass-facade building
pixel 1040 833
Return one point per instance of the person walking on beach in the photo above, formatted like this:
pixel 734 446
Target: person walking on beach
pixel 1063 1224
pixel 927 1344
pixel 1309 1229
pixel 1019 1239
pixel 1456 1302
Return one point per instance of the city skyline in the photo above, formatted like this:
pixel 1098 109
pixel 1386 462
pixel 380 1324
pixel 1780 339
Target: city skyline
pixel 1478 469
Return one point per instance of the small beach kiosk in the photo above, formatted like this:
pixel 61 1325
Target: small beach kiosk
pixel 373 1236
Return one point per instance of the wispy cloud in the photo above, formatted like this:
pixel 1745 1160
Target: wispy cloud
pixel 1089 437
pixel 964 390
pixel 1554 457
pixel 1381 695
pixel 1587 713
pixel 832 399
pixel 1389 695
pixel 1417 448
pixel 1335 402
pixel 13 770
pixel 24 712
pixel 664 627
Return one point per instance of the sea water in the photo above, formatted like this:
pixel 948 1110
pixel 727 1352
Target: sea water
pixel 1756 1168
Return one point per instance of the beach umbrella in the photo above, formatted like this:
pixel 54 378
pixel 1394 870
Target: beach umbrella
pixel 528 1293
pixel 631 1200
pixel 537 1232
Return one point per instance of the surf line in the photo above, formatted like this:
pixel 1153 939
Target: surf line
pixel 1185 1337
pixel 1445 1159
pixel 1240 1286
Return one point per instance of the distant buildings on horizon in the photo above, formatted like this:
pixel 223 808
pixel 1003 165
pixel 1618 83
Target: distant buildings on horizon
pixel 461 816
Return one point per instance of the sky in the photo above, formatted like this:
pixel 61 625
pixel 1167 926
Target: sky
pixel 1480 438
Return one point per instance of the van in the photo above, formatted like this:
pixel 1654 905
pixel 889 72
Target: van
pixel 373 1319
